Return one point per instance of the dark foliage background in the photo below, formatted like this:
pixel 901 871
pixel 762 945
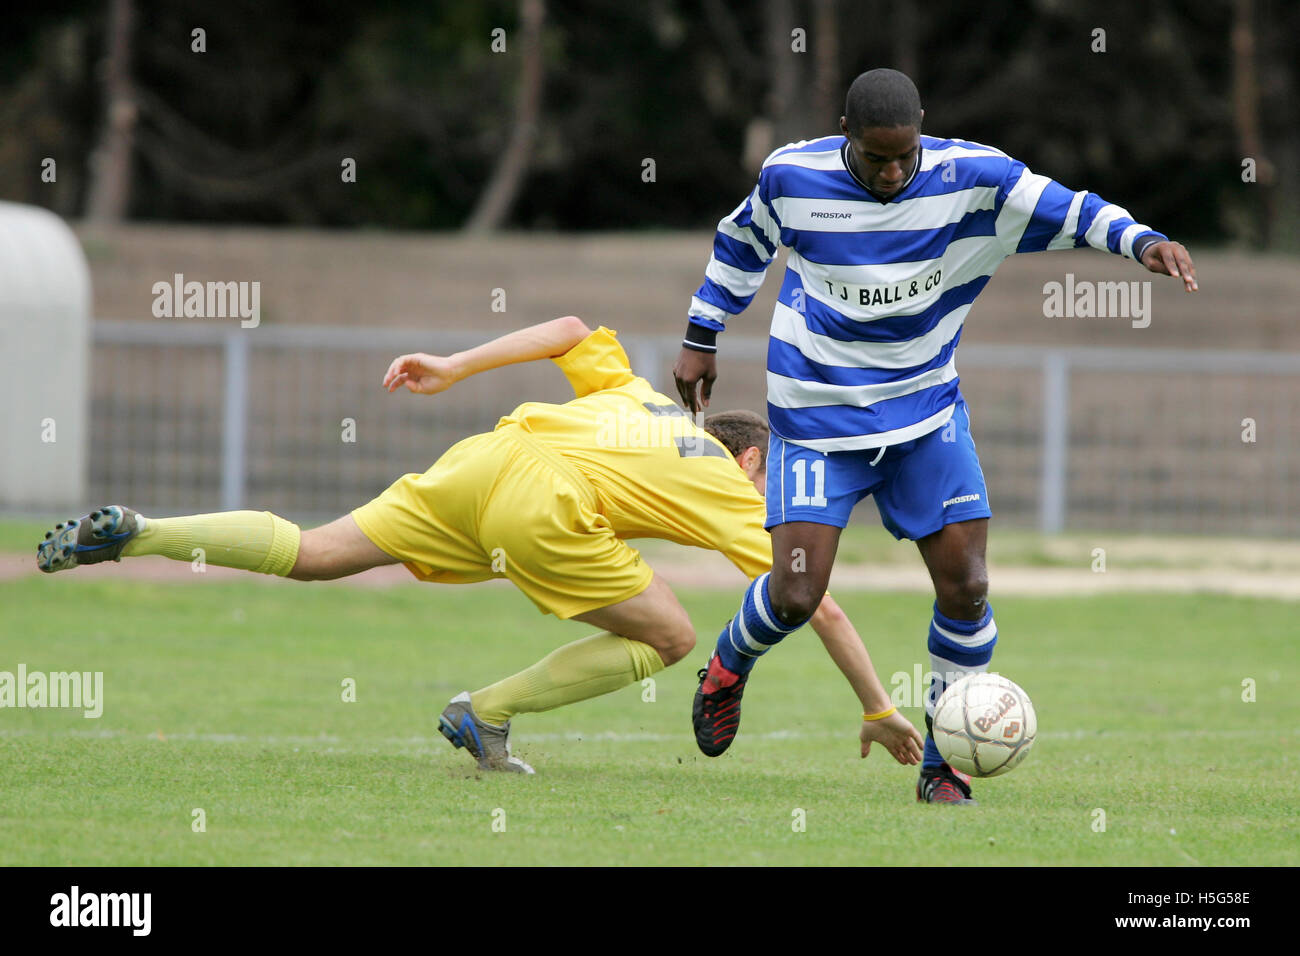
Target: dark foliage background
pixel 254 129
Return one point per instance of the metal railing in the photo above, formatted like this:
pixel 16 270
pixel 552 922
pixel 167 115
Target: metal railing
pixel 205 416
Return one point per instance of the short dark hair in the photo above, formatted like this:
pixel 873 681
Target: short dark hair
pixel 882 98
pixel 738 430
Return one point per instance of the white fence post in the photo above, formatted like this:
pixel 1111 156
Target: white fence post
pixel 1056 432
pixel 234 420
pixel 644 354
pixel 1264 468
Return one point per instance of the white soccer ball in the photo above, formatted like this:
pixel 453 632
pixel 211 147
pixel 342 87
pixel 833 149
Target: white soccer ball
pixel 984 725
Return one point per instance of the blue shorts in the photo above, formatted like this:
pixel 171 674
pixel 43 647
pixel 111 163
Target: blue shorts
pixel 919 485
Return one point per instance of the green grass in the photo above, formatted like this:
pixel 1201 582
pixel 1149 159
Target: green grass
pixel 227 697
pixel 865 542
pixel 22 535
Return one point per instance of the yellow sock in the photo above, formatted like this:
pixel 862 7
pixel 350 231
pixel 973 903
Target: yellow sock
pixel 249 540
pixel 584 669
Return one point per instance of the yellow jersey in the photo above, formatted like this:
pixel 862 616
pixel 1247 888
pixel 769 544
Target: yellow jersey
pixel 655 473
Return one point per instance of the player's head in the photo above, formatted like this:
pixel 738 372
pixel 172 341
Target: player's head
pixel 882 121
pixel 744 434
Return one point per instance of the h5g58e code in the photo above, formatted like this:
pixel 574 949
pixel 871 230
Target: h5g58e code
pixel 1159 899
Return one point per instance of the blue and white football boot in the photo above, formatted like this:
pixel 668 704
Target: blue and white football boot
pixel 489 745
pixel 99 536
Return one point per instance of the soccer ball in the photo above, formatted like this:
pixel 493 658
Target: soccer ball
pixel 984 725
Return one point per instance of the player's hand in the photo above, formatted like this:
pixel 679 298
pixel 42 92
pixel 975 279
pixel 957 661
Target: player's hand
pixel 421 373
pixel 694 366
pixel 1171 259
pixel 896 734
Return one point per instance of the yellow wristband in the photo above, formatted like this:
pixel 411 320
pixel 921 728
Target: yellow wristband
pixel 880 716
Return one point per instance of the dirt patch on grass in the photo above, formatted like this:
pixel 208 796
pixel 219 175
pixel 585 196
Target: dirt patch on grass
pixel 691 568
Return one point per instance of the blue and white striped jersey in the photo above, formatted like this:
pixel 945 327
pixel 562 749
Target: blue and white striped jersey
pixel 875 292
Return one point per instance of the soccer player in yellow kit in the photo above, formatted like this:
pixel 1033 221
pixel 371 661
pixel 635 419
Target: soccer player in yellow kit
pixel 545 500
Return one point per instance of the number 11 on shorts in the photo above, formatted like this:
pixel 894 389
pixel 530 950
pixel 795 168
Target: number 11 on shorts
pixel 818 469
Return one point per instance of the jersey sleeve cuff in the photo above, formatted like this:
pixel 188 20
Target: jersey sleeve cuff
pixel 1142 242
pixel 700 339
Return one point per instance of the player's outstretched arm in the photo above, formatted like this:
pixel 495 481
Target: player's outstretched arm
pixel 429 374
pixel 895 733
pixel 695 368
pixel 742 250
pixel 1170 258
pixel 1039 213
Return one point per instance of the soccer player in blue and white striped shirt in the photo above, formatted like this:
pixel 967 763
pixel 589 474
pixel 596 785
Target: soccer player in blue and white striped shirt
pixel 892 235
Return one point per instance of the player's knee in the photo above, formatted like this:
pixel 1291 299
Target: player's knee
pixel 796 600
pixel 968 593
pixel 669 632
pixel 680 639
pixel 678 646
pixel 795 593
pixel 975 589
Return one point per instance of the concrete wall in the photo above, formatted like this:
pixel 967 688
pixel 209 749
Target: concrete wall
pixel 44 344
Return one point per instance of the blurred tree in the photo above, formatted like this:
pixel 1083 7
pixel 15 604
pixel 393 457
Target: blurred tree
pixel 1246 120
pixel 237 122
pixel 827 91
pixel 448 134
pixel 110 164
pixel 48 113
pixel 497 199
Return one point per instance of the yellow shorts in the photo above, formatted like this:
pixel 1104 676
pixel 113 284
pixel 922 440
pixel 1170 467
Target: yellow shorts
pixel 499 505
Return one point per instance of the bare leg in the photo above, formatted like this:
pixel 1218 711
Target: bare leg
pixel 954 557
pixel 641 635
pixel 653 617
pixel 336 550
pixel 963 644
pixel 803 554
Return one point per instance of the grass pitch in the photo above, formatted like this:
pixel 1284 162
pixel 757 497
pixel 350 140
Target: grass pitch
pixel 227 697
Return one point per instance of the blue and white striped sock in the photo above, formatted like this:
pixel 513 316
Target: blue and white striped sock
pixel 957 648
pixel 753 631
